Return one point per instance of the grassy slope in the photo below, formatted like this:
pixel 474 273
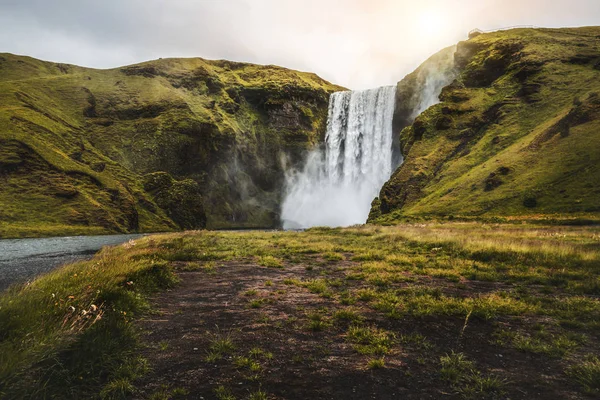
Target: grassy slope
pixel 411 304
pixel 76 142
pixel 515 134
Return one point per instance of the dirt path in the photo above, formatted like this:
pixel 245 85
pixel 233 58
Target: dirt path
pixel 256 307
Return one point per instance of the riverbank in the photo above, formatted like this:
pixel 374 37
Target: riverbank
pixel 24 231
pixel 459 310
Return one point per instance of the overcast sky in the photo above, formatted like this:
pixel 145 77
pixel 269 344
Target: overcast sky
pixel 354 43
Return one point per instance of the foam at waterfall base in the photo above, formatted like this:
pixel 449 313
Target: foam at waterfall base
pixel 336 187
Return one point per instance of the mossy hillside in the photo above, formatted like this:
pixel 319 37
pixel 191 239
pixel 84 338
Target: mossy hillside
pixel 514 134
pixel 225 125
pixel 180 199
pixel 41 199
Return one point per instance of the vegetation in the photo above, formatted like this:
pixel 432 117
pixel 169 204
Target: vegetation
pixel 70 334
pixel 513 136
pixel 477 310
pixel 489 288
pixel 157 146
pixel 587 374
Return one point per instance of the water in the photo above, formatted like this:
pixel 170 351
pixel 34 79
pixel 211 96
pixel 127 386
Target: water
pixel 23 259
pixel 336 186
pixel 435 76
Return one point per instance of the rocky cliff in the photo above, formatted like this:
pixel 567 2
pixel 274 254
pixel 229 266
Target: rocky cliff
pixel 163 145
pixel 516 133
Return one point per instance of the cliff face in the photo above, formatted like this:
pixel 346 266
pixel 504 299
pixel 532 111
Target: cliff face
pixel 162 145
pixel 516 133
pixel 419 90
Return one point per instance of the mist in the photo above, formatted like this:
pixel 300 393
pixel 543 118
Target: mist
pixel 435 77
pixel 340 179
pixel 337 184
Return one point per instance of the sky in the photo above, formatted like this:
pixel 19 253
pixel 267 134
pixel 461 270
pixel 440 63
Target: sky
pixel 355 43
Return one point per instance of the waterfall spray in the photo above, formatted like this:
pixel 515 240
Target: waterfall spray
pixel 338 183
pixel 336 187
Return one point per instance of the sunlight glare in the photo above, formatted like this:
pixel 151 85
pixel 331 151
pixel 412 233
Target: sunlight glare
pixel 431 23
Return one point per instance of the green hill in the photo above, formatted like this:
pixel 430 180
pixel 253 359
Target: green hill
pixel 162 145
pixel 517 133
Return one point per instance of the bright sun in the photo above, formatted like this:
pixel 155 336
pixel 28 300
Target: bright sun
pixel 431 22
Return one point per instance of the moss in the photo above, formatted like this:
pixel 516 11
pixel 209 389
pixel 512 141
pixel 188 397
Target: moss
pixel 202 122
pixel 515 132
pixel 180 199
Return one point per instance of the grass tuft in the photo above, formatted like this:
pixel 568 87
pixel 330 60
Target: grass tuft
pixel 587 374
pixel 376 363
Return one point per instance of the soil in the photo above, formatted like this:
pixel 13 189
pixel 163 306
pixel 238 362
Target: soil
pixel 318 365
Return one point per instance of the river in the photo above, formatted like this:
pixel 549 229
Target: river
pixel 24 259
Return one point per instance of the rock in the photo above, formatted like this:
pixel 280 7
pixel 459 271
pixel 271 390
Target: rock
pixel 98 167
pixel 492 182
pixel 530 202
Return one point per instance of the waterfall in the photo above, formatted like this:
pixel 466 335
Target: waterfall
pixel 336 186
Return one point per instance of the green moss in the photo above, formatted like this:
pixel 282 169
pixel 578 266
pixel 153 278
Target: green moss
pixel 76 143
pixel 514 135
pixel 180 199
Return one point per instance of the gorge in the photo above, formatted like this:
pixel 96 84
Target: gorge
pixel 340 178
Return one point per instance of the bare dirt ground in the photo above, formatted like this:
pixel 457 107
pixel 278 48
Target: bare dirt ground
pixel 256 307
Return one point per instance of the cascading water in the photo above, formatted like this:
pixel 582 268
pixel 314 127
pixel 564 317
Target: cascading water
pixel 336 188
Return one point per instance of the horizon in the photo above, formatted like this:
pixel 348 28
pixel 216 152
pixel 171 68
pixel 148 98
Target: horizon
pixel 352 44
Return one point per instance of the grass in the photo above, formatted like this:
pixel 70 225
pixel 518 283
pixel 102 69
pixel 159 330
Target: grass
pixel 223 393
pixel 257 352
pixel 348 315
pixel 524 289
pixel 58 332
pixel 77 144
pixel 369 339
pixel 376 363
pixel 222 344
pixel 332 256
pixel 587 374
pixel 466 380
pixel 317 322
pixel 257 303
pixel 514 146
pixel 270 262
pixel 246 362
pixel 552 345
pixel 167 393
pixel 454 366
pixel 258 395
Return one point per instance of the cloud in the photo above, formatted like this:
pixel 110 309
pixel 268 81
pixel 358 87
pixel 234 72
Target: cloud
pixel 355 43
